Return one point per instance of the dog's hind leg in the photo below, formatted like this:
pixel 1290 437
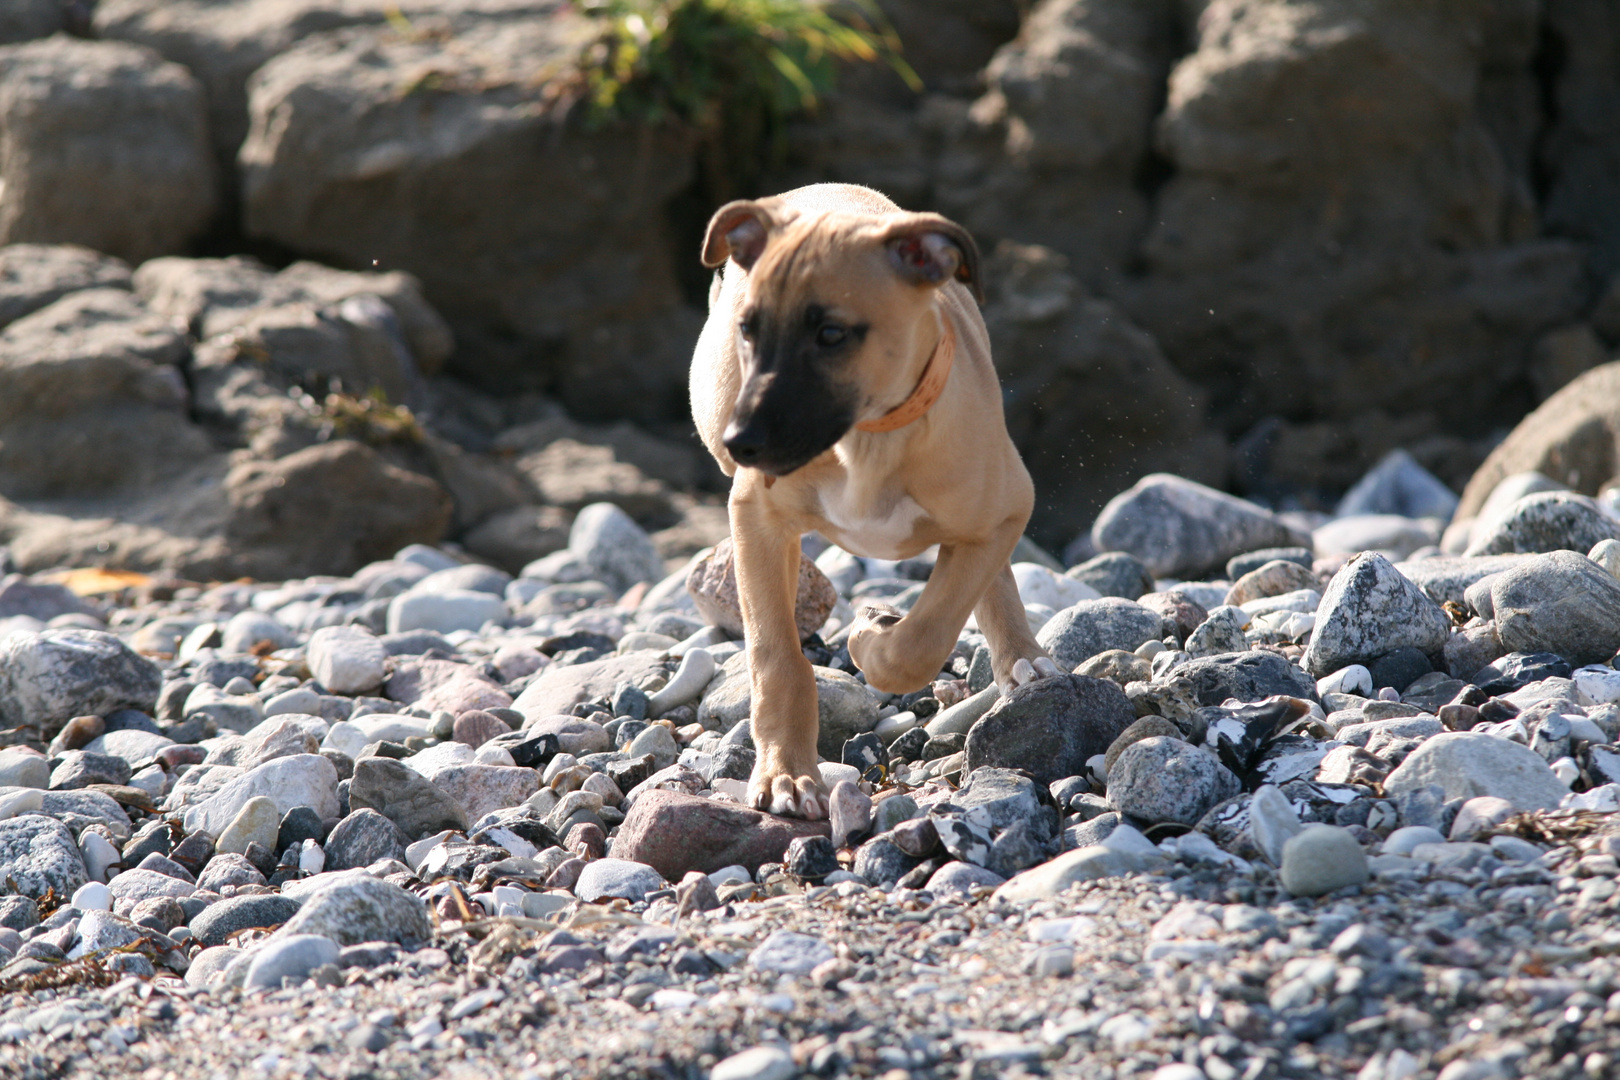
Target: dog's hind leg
pixel 785 717
pixel 899 654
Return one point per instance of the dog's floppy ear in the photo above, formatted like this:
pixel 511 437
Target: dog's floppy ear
pixel 738 231
pixel 930 250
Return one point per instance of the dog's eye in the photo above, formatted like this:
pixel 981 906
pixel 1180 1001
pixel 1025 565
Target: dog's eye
pixel 831 336
pixel 746 328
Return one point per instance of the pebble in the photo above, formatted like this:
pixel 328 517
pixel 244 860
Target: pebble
pixel 1272 822
pixel 1320 859
pixel 1467 764
pixel 622 878
pixel 785 952
pixel 293 956
pixel 756 1063
pixel 258 822
pixel 347 659
pixel 444 612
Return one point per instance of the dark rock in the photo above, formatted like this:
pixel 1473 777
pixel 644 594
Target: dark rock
pixel 1399 668
pixel 405 797
pixel 160 864
pixel 730 763
pixel 881 863
pixel 299 824
pixel 811 857
pixel 79 769
pixel 1250 561
pixel 918 837
pixel 1050 727
pixel 1246 676
pixel 1517 669
pixel 194 851
pixel 1114 573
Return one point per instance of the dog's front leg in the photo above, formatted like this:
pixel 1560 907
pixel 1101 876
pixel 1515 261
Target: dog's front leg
pixel 899 654
pixel 782 684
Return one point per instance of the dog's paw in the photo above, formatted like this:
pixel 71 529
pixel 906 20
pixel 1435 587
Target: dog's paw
pixel 1027 671
pixel 784 794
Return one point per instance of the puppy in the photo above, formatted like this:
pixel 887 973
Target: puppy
pixel 843 380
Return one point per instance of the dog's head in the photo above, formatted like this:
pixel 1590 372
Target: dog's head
pixel 836 309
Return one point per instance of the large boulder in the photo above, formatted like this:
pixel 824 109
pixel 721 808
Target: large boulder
pixel 337 157
pixel 106 146
pixel 1342 231
pixel 92 398
pixel 1573 437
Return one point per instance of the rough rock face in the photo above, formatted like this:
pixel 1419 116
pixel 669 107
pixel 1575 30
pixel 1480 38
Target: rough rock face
pixel 1335 182
pixel 343 498
pixel 337 157
pixel 1560 603
pixel 1082 383
pixel 105 146
pixel 91 394
pixel 1050 727
pixel 46 679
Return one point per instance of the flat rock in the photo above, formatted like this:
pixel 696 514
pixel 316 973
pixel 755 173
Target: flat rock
pixel 617 877
pixel 1448 577
pixel 1368 610
pixel 1050 727
pixel 299 780
pixel 1468 764
pixel 404 796
pixel 676 833
pixel 291 957
pixel 559 689
pixel 480 789
pixel 1082 864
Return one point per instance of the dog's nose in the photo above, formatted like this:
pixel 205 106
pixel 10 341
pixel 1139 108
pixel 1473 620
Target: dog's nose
pixel 745 445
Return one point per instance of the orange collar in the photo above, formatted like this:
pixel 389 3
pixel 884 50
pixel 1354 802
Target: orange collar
pixel 927 391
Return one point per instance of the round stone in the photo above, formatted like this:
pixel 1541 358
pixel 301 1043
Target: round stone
pixel 1321 859
pixel 1164 779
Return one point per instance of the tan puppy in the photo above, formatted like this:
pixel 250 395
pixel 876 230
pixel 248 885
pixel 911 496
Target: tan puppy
pixel 844 380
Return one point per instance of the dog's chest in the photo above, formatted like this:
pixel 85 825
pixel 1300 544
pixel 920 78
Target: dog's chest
pixel 877 528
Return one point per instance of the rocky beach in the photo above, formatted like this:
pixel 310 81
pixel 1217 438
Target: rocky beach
pixel 374 701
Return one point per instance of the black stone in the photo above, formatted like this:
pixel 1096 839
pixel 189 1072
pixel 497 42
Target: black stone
pixel 865 752
pixel 631 772
pixel 1049 728
pixel 299 824
pixel 1238 565
pixel 1399 668
pixel 343 763
pixel 811 857
pixel 194 851
pixel 579 639
pixel 630 700
pixel 529 751
pixel 909 746
pixel 153 838
pixel 260 858
pixel 943 745
pixel 1516 670
pixel 1497 710
pixel 627 731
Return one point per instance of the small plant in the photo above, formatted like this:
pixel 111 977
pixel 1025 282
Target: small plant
pixel 370 419
pixel 737 71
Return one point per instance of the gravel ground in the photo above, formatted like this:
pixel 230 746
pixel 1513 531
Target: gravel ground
pixel 1410 975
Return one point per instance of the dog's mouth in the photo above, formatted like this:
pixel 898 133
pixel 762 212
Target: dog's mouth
pixel 778 436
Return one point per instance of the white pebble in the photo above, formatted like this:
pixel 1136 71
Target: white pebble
pixel 93 896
